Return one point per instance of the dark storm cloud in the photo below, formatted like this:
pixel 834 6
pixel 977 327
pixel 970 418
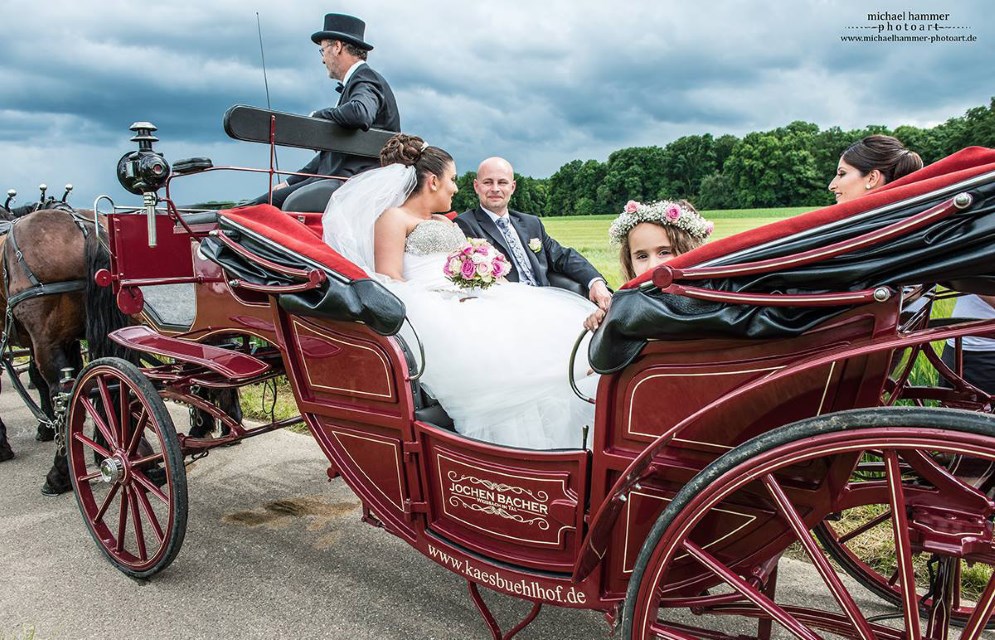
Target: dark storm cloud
pixel 543 83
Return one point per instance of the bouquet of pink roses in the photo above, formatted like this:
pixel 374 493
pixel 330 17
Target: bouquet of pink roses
pixel 476 264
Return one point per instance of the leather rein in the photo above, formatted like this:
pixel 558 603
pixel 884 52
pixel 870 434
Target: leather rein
pixel 39 288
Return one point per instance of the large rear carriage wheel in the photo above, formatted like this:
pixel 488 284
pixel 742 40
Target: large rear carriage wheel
pixel 713 565
pixel 126 467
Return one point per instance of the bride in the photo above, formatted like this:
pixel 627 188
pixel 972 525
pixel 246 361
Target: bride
pixel 496 362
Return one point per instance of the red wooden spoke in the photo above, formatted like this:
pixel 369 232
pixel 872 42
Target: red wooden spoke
pixel 107 502
pixel 122 521
pixel 90 476
pixel 124 412
pixel 136 436
pixel 864 527
pixel 105 396
pixel 736 582
pixel 982 613
pixel 151 488
pixel 143 500
pixel 97 420
pixel 835 623
pixel 903 546
pixel 668 633
pixel 694 633
pixel 822 565
pixel 955 603
pixel 942 478
pixel 93 445
pixel 136 521
pixel 141 462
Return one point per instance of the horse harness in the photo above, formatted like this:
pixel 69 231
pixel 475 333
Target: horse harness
pixel 39 288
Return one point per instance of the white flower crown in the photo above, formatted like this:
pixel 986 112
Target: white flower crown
pixel 665 213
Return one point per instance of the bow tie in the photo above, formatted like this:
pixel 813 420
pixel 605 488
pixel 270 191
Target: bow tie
pixel 339 87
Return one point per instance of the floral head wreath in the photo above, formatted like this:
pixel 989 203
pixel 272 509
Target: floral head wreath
pixel 664 213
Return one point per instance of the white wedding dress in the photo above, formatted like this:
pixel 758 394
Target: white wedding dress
pixel 497 362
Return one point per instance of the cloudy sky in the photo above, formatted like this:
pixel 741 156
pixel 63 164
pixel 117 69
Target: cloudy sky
pixel 541 83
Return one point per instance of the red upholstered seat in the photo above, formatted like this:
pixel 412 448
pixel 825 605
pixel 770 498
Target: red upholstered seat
pixel 284 229
pixel 955 168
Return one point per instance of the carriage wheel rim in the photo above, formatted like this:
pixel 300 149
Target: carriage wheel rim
pixel 646 609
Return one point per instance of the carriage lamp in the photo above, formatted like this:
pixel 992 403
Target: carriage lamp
pixel 144 171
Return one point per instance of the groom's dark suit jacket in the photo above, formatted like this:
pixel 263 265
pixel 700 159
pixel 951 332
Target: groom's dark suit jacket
pixel 550 261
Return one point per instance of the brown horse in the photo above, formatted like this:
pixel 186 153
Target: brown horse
pixel 16 335
pixel 7 215
pixel 49 258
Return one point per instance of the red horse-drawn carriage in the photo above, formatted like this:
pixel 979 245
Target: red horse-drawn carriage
pixel 749 399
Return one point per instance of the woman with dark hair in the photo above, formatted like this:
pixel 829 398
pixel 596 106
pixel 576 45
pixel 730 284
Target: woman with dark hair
pixel 871 163
pixel 876 161
pixel 495 360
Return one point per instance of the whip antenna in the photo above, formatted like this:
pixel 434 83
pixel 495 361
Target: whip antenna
pixel 262 54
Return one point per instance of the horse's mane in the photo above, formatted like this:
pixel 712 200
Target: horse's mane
pixel 102 313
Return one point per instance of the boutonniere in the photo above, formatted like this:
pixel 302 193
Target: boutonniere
pixel 535 245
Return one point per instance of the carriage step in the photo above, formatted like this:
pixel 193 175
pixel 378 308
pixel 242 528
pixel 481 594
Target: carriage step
pixel 232 365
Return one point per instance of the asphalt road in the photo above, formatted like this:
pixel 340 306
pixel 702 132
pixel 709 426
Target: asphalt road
pixel 273 550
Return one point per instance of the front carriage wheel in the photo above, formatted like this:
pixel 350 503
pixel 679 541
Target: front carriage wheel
pixel 126 467
pixel 714 564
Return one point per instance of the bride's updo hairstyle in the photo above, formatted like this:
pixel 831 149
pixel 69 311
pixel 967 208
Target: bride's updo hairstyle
pixel 886 154
pixel 412 151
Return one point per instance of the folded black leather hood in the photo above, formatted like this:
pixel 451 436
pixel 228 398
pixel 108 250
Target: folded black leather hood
pixel 957 251
pixel 365 300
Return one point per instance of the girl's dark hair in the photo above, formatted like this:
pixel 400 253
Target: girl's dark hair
pixel 412 151
pixel 884 153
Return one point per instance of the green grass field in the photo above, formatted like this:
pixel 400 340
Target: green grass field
pixel 589 234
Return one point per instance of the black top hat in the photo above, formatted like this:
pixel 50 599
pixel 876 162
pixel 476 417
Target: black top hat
pixel 339 26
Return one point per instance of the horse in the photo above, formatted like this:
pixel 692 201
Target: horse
pixel 51 302
pixel 8 214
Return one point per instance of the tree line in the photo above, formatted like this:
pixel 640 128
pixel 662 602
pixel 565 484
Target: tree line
pixel 784 167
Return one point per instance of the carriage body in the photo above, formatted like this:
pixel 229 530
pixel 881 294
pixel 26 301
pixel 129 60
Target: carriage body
pixel 565 527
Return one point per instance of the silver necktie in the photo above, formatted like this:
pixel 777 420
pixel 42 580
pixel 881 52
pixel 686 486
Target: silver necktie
pixel 521 260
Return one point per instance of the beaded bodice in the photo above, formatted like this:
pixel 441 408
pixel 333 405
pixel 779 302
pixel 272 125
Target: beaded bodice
pixel 434 236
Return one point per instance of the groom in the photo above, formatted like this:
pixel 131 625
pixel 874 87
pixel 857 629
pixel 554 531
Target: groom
pixel 535 257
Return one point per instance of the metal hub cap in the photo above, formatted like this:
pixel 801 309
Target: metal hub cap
pixel 111 470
